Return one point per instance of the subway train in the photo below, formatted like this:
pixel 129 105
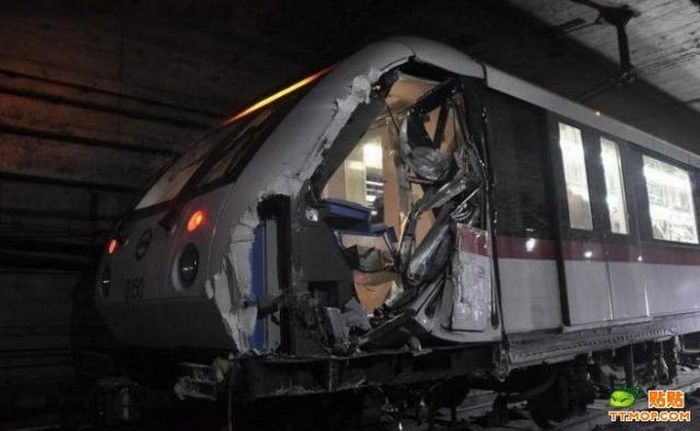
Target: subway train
pixel 409 220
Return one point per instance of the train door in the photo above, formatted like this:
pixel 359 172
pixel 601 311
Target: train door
pixel 599 249
pixel 586 293
pixel 620 241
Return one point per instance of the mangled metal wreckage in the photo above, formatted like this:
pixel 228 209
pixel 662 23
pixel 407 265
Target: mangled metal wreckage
pixel 345 232
pixel 343 220
pixel 435 276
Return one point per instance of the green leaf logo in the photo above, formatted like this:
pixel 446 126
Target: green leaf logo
pixel 621 398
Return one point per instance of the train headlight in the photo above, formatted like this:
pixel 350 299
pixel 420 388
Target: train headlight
pixel 105 282
pixel 188 265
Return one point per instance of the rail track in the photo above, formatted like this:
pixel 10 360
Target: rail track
pixel 473 415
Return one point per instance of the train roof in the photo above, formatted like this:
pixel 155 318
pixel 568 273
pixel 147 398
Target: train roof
pixel 455 61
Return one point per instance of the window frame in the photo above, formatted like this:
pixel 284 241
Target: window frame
pixel 556 165
pixel 639 218
pixel 627 153
pixel 195 188
pixel 646 227
pixel 588 178
pixel 621 175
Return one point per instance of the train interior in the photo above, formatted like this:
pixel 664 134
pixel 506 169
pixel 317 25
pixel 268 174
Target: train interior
pixel 404 203
pixel 369 178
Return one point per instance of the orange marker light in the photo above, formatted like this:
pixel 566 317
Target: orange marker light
pixel 112 246
pixel 196 219
pixel 266 101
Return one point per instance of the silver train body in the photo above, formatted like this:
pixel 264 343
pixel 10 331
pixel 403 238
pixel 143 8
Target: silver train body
pixel 409 203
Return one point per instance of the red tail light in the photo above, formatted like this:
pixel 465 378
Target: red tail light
pixel 112 246
pixel 196 220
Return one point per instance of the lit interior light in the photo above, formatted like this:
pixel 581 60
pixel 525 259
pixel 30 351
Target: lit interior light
pixel 530 244
pixel 598 114
pixel 266 101
pixel 372 155
pixel 639 259
pixel 196 219
pixel 355 165
pixel 112 246
pixel 588 254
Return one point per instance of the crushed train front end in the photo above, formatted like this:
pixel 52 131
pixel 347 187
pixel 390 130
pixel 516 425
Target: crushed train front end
pixel 335 237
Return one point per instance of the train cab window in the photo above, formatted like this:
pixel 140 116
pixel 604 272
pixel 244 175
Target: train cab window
pixel 671 207
pixel 614 186
pixel 177 175
pixel 227 158
pixel 219 153
pixel 574 164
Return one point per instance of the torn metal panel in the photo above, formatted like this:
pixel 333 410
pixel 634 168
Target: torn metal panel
pixel 431 256
pixel 359 92
pixel 428 163
pixel 231 287
pixel 341 323
pixel 447 57
pixel 422 263
pixel 471 276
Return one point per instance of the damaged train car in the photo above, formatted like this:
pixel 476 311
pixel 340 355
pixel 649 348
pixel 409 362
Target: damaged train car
pixel 408 218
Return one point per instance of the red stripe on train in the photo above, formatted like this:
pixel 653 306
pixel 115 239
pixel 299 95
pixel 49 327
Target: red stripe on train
pixel 473 241
pixel 544 249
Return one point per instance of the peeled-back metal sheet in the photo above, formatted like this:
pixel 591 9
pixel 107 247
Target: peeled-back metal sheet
pixel 471 275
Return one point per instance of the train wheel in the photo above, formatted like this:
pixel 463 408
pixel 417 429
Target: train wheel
pixel 551 405
pixel 571 392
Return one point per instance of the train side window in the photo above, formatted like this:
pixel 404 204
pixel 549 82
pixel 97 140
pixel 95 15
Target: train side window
pixel 614 186
pixel 671 207
pixel 574 163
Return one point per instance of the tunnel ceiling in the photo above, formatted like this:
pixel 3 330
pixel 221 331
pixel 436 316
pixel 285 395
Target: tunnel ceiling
pixel 664 38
